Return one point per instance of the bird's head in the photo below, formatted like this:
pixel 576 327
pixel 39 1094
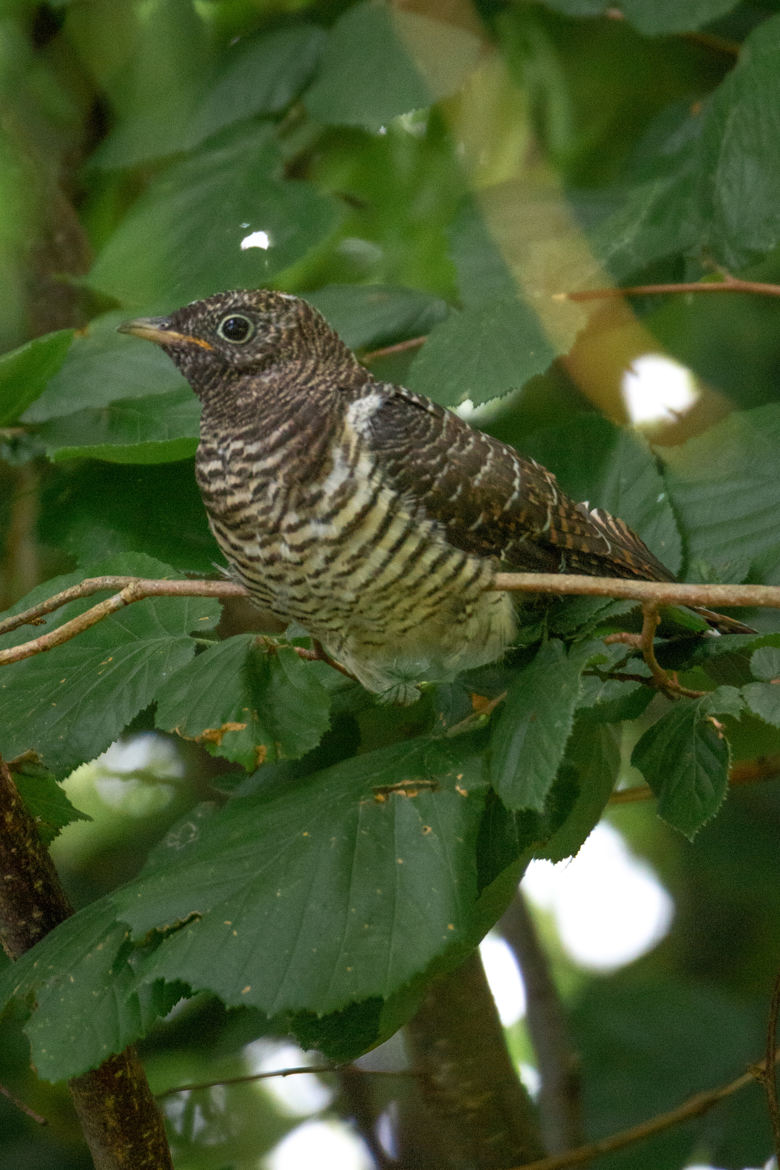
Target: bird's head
pixel 244 332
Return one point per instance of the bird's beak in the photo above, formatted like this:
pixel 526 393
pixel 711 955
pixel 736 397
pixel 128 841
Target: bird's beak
pixel 158 330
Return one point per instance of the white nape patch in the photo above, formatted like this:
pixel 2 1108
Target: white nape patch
pixel 363 409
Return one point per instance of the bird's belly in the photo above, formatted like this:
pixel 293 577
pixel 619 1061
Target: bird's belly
pixel 380 588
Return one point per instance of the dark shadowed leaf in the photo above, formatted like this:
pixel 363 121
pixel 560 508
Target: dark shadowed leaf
pixel 739 169
pixel 685 758
pixel 530 735
pixel 246 703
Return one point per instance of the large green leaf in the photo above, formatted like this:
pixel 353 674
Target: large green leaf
pixel 665 17
pixel 739 165
pixel 183 237
pixel 724 486
pixel 310 898
pixel 302 896
pixel 25 371
pixel 88 1000
pixel 479 353
pixel 45 799
pixel 593 752
pixel 529 737
pixel 652 17
pixel 763 698
pixel 71 703
pixel 259 75
pixel 102 367
pixel 159 429
pixel 381 61
pixel 246 703
pixel 685 758
pixel 372 315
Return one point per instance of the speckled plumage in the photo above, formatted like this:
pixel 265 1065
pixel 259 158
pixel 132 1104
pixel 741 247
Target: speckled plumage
pixel 366 512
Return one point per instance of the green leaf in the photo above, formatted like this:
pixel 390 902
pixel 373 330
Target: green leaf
pixel 765 663
pixel 655 219
pixel 611 700
pixel 103 367
pixel 87 999
pixel 25 372
pixel 71 703
pixel 763 698
pixel 307 897
pixel 183 237
pixel 740 171
pixel 685 760
pixel 246 703
pixel 593 752
pixel 614 469
pixel 45 800
pixel 259 76
pixel 380 62
pixel 480 353
pixel 666 17
pixel 651 17
pixel 371 315
pixel 724 486
pixel 159 429
pixel 530 735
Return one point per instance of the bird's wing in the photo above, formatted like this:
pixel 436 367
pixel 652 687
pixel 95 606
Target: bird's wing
pixel 490 500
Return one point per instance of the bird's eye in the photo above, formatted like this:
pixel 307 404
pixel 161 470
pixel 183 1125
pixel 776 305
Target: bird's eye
pixel 236 328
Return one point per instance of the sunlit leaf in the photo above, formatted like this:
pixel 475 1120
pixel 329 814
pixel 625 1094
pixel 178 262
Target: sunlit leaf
pixel 380 62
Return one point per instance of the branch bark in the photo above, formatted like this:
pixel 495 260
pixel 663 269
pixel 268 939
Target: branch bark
pixel 119 1117
pixel 560 1096
pixel 130 589
pixel 479 1115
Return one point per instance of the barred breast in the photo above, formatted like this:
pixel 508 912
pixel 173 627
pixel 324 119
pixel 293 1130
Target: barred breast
pixel 355 563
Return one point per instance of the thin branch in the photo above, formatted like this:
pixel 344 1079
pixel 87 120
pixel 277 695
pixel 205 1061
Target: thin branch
pixel 660 592
pixel 142 587
pixel 399 347
pixel 132 589
pixel 644 642
pixel 730 284
pixel 22 1107
pixel 296 1070
pixel 694 1107
pixel 767 1074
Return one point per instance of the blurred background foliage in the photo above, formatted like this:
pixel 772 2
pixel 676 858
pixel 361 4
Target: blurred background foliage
pixel 438 169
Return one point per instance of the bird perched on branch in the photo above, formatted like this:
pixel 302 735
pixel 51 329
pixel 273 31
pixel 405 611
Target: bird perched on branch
pixel 367 513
